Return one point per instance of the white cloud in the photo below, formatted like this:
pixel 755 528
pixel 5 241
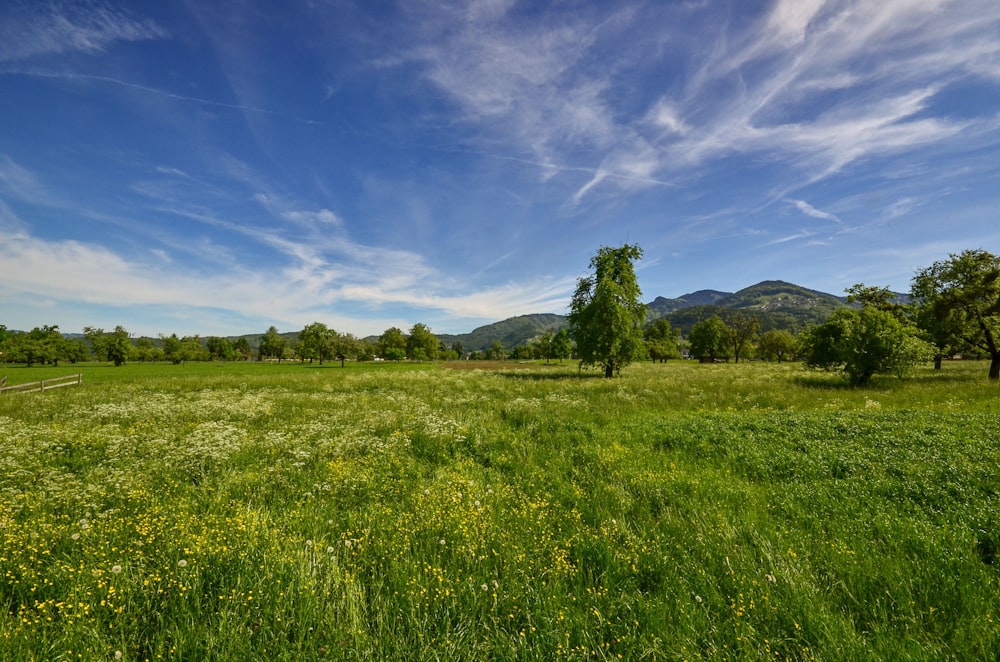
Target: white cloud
pixel 809 210
pixel 29 29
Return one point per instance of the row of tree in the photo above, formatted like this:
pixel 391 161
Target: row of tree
pixel 955 309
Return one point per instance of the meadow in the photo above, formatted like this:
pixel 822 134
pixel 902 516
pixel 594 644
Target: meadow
pixel 378 511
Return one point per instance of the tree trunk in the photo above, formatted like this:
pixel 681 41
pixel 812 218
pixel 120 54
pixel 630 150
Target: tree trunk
pixel 937 361
pixel 995 366
pixel 609 371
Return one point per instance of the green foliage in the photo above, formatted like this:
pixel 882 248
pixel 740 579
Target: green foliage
pixel 710 339
pixel 959 303
pixel 777 345
pixel 863 343
pixel 422 345
pixel 661 341
pixel 606 313
pixel 272 345
pixel 392 345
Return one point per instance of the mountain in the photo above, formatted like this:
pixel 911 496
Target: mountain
pixel 778 305
pixel 660 306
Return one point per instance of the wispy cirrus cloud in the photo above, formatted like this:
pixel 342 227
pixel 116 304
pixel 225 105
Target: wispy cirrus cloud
pixel 809 210
pixel 796 84
pixel 28 29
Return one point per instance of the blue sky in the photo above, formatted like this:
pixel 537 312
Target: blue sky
pixel 219 167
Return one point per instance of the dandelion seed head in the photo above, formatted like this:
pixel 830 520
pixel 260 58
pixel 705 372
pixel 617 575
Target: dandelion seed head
pixel 182 563
pixel 441 542
pixel 330 550
pixel 117 569
pixel 309 543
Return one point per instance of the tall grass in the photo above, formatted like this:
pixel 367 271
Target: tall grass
pixel 412 512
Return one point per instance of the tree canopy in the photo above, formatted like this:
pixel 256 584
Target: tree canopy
pixel 606 313
pixel 959 304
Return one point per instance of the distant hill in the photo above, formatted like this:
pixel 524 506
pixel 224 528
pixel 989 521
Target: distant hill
pixel 660 306
pixel 511 332
pixel 778 305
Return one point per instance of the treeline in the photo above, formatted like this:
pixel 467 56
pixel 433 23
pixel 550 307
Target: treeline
pixel 953 309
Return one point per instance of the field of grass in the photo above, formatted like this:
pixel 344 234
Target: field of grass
pixel 681 511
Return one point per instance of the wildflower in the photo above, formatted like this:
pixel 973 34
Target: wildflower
pixel 441 542
pixel 309 543
pixel 75 536
pixel 771 579
pixel 118 655
pixel 329 550
pixel 697 599
pixel 116 569
pixel 182 563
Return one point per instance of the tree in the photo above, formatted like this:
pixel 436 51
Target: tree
pixel 606 313
pixel 272 345
pixel 495 351
pixel 392 344
pixel 863 343
pixel 242 348
pixel 172 348
pixel 960 303
pixel 457 348
pixel 317 341
pixel 776 344
pixel 118 346
pixel 710 340
pixel 562 345
pixel 220 349
pixel 661 340
pixel 422 345
pixel 743 329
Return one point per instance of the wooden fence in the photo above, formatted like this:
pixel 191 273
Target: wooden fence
pixel 42 385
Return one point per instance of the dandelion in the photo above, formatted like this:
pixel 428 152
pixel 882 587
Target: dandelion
pixel 75 536
pixel 771 579
pixel 118 655
pixel 309 543
pixel 441 542
pixel 182 563
pixel 485 587
pixel 330 550
pixel 116 569
pixel 697 599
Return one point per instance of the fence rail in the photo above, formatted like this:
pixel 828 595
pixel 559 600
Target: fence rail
pixel 42 385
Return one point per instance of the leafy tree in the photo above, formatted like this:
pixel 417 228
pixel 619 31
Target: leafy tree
pixel 606 313
pixel 422 345
pixel 98 341
pixel 562 345
pixel 193 349
pixel 959 300
pixel 876 297
pixel 242 348
pixel 743 330
pixel 863 343
pixel 661 340
pixel 710 340
pixel 172 348
pixel 457 348
pixel 119 346
pixel 776 344
pixel 220 349
pixel 76 350
pixel 317 341
pixel 496 351
pixel 392 344
pixel 543 345
pixel 272 345
pixel 146 350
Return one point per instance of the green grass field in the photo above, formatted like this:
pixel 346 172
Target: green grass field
pixel 681 511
